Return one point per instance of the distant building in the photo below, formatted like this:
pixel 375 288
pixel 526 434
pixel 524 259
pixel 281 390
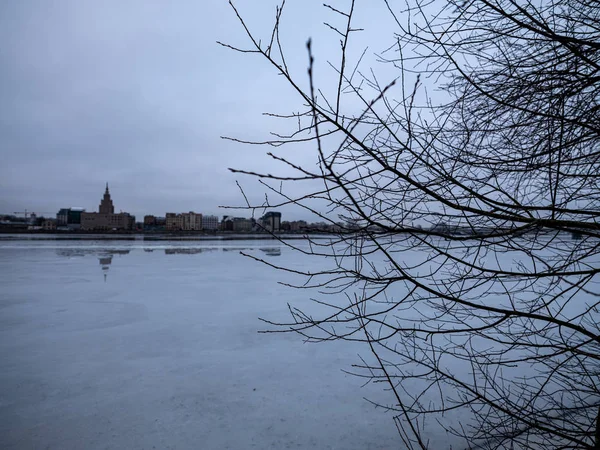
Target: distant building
pixel 49 225
pixel 106 204
pixel 190 221
pixel 153 223
pixel 271 221
pixel 298 225
pixel 69 218
pixel 9 225
pixel 106 219
pixel 227 223
pixel 174 222
pixel 242 225
pixel 107 222
pixel 149 220
pixel 210 223
pixel 294 226
pixel 237 224
pixel 323 227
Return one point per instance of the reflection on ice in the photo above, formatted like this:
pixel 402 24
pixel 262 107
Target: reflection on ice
pixel 76 252
pixel 105 261
pixel 272 251
pixel 187 251
pixel 70 252
pixel 105 253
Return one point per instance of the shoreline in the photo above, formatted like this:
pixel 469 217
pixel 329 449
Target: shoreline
pixel 154 237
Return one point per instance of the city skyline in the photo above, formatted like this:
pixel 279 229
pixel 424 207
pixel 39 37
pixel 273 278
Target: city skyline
pixel 107 207
pixel 106 219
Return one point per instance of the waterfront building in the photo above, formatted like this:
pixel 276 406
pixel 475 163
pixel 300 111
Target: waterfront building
pixel 242 225
pixel 149 220
pixel 69 218
pixel 106 219
pixel 271 221
pixel 189 221
pixel 226 223
pixel 49 225
pixel 106 204
pixel 210 223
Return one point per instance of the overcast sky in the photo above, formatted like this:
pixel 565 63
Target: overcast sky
pixel 137 93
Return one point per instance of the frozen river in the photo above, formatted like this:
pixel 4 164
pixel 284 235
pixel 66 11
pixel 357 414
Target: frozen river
pixel 142 345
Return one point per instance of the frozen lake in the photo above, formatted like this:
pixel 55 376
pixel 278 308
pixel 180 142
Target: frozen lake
pixel 141 345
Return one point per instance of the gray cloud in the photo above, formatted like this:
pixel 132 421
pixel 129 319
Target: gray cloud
pixel 137 94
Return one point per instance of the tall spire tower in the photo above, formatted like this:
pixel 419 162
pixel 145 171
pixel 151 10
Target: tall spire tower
pixel 106 205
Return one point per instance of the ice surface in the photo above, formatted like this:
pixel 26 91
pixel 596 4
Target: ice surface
pixel 139 345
